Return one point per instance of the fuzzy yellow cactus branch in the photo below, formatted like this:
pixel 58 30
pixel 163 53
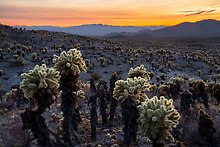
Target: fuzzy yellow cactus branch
pixel 139 71
pixel 80 94
pixel 70 62
pixel 136 87
pixel 39 78
pixel 157 118
pixel 179 80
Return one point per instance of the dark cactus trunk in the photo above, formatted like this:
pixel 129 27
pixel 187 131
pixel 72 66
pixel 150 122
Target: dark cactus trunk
pixel 114 101
pixel 35 122
pixel 155 144
pixel 68 85
pixel 92 87
pixel 129 116
pixel 102 93
pixel 93 117
pixel 113 107
pixel 103 114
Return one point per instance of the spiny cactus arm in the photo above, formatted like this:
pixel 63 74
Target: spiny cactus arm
pixel 79 94
pixel 179 80
pixel 40 77
pixel 139 71
pixel 120 90
pixel 164 87
pixel 70 62
pixel 157 118
pixel 136 87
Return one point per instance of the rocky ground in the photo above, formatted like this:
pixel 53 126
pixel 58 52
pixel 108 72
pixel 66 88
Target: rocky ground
pixel 198 59
pixel 107 135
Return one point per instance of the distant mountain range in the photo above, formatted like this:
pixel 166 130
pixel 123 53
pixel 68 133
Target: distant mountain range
pixel 92 29
pixel 204 28
pixel 200 29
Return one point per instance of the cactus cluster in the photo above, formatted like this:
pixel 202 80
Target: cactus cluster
pixel 136 87
pixel 157 118
pixel 39 78
pixel 70 62
pixel 197 85
pixel 139 71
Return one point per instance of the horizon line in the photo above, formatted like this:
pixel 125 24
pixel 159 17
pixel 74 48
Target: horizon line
pixel 49 25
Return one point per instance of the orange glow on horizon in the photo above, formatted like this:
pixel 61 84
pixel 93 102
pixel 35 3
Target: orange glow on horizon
pixel 134 13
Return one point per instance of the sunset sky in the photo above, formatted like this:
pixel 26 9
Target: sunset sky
pixel 113 12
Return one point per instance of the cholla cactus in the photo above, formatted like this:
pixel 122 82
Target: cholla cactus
pixel 70 62
pixel 40 84
pixel 39 78
pixel 79 94
pixel 1 72
pixel 131 62
pixel 197 84
pixel 177 80
pixel 139 71
pixel 164 87
pixel 175 84
pixel 206 126
pixel 164 90
pixel 192 82
pixel 101 60
pixel 216 92
pixel 136 87
pixel 34 56
pixel 157 118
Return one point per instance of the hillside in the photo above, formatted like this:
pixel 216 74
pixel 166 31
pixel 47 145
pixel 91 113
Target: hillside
pixel 200 29
pixel 92 29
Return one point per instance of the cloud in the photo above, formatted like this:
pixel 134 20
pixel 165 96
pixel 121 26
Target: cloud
pixel 211 11
pixel 215 5
pixel 186 11
pixel 196 12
